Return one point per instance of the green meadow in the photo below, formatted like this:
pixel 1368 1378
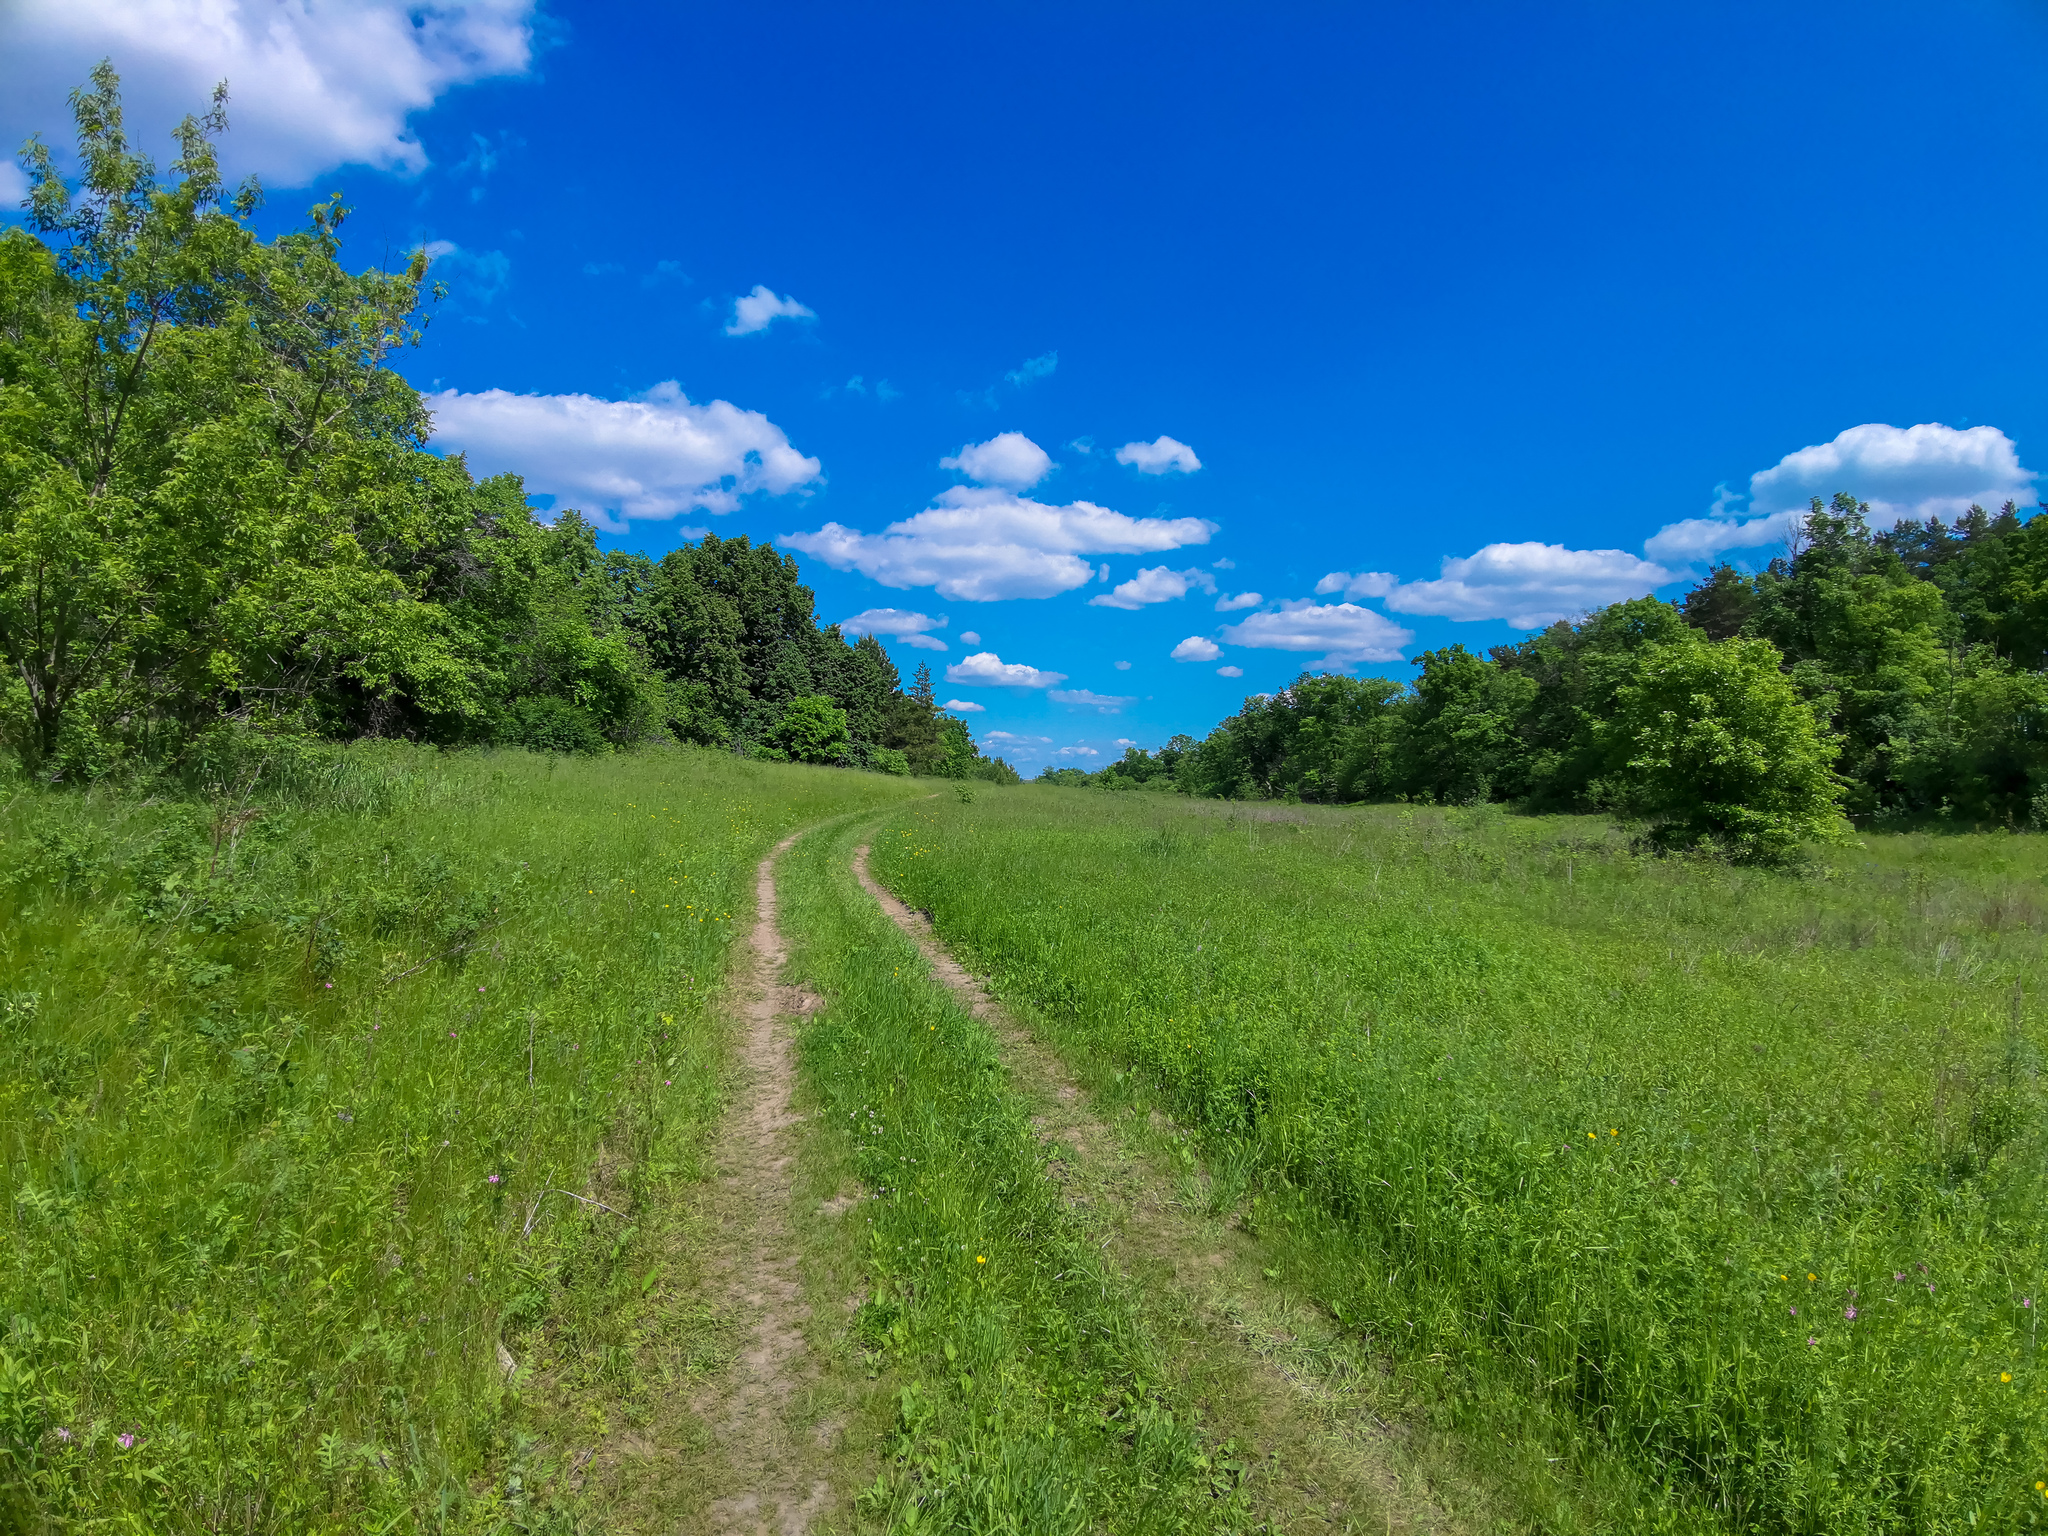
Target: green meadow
pixel 320 1101
pixel 1715 1192
pixel 354 1124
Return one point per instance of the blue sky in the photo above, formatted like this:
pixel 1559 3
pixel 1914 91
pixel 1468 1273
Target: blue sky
pixel 1423 324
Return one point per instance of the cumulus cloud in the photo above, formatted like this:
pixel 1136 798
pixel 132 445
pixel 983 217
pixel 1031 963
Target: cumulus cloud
pixel 1103 703
pixel 1121 666
pixel 1077 751
pixel 311 86
pixel 986 669
pixel 1230 671
pixel 760 309
pixel 1364 584
pixel 1529 585
pixel 650 458
pixel 1159 456
pixel 1009 459
pixel 969 637
pixel 1160 584
pixel 966 707
pixel 1242 600
pixel 898 624
pixel 1346 633
pixel 982 544
pixel 1196 648
pixel 1903 472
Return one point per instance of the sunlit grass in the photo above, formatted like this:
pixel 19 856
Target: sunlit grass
pixel 1738 1173
pixel 321 1107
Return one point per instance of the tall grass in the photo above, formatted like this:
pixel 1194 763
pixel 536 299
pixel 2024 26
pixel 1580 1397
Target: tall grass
pixel 328 1101
pixel 1739 1174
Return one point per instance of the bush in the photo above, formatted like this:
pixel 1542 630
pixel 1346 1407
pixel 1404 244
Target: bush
pixel 812 730
pixel 554 725
pixel 888 760
pixel 1710 745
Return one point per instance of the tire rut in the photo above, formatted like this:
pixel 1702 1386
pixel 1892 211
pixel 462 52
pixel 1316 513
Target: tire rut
pixel 766 1479
pixel 1266 1373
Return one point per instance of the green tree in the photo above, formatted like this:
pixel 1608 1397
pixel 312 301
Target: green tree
pixel 1461 740
pixel 201 451
pixel 1712 748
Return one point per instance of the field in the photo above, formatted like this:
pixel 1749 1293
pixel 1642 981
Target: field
pixel 361 1133
pixel 303 1112
pixel 1710 1194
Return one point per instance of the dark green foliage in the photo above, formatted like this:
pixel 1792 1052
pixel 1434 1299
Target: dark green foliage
pixel 1911 676
pixel 218 513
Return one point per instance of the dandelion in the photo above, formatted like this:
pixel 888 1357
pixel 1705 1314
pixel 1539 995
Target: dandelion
pixel 979 1259
pixel 1591 1137
pixel 1810 1275
pixel 1613 1132
pixel 2005 1375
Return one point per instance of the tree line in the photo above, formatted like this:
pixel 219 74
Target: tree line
pixel 1886 675
pixel 219 516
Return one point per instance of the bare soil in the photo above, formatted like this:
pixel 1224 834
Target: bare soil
pixel 763 1463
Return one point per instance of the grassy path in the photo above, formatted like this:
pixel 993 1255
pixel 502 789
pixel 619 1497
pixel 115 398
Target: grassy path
pixel 1263 1372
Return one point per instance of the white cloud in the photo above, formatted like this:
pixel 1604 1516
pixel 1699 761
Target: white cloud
pixel 1196 648
pixel 1077 751
pixel 1042 366
pixel 969 637
pixel 1242 600
pixel 1015 745
pixel 966 707
pixel 980 544
pixel 1230 671
pixel 1903 472
pixel 473 277
pixel 1364 584
pixel 311 86
pixel 1108 704
pixel 1530 585
pixel 1159 456
pixel 988 670
pixel 1123 741
pixel 1122 666
pixel 1160 584
pixel 1702 538
pixel 651 457
pixel 899 624
pixel 1009 459
pixel 762 308
pixel 1348 634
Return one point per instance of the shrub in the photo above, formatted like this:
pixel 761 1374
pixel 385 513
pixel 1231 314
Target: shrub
pixel 812 730
pixel 1710 745
pixel 554 725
